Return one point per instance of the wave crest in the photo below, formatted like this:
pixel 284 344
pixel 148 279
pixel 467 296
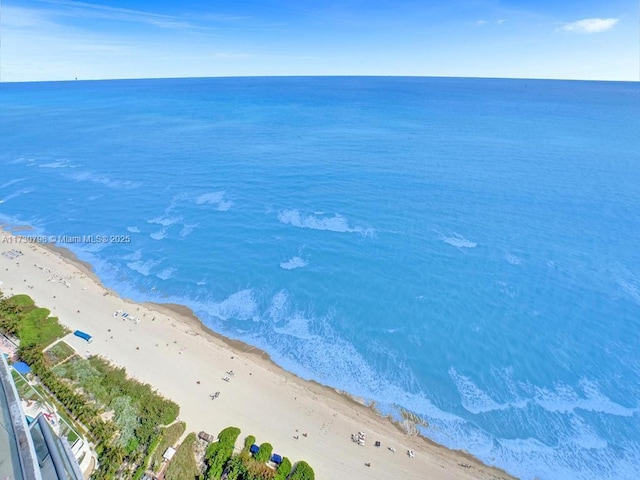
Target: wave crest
pixel 294 262
pixel 336 223
pixel 215 198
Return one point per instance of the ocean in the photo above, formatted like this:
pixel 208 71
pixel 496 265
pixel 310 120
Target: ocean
pixel 464 249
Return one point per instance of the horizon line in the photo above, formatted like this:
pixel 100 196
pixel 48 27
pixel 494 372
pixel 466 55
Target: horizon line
pixel 76 79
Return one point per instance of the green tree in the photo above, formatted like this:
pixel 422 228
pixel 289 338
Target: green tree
pixel 218 454
pixel 250 440
pixel 284 469
pixel 229 435
pixel 236 469
pixel 264 454
pixel 9 322
pixel 259 471
pixel 302 472
pixel 126 418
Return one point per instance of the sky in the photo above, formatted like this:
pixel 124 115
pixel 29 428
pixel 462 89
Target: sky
pixel 564 39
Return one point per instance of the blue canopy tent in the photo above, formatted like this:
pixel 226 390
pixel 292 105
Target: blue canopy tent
pixel 22 368
pixel 83 335
pixel 254 449
pixel 275 458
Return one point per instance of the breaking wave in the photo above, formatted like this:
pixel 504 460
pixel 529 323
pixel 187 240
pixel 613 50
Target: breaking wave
pixel 335 223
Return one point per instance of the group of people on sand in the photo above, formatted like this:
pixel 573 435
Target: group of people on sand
pixel 226 378
pixel 296 436
pixel 12 254
pixel 360 437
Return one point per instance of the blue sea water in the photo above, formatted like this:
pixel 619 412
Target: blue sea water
pixel 465 249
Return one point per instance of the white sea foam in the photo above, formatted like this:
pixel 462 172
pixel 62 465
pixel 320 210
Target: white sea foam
pixel 336 223
pixel 143 268
pixel 580 454
pixel 166 274
pixel 584 435
pixel 285 320
pixel 16 194
pixel 308 345
pixel 11 182
pixel 240 305
pixel 295 262
pixel 279 306
pixel 133 229
pixel 134 256
pixel 456 240
pixel 473 399
pixel 215 198
pixel 564 399
pixel 103 180
pixel 56 164
pixel 165 220
pixel 159 235
pixel 296 326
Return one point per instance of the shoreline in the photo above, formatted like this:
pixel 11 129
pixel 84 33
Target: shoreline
pixel 189 317
pixel 180 322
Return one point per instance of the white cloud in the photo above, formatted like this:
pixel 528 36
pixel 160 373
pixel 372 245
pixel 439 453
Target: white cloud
pixel 590 25
pixel 20 18
pixel 480 23
pixel 91 10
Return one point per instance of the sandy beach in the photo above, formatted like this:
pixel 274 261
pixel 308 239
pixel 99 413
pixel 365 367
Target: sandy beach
pixel 167 347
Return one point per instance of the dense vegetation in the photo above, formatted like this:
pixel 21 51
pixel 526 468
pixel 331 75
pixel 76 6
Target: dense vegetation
pixel 248 441
pixel 243 466
pixel 264 453
pixel 183 466
pixel 33 326
pixel 168 438
pixel 137 409
pixel 219 453
pixel 124 417
pixel 91 391
pixel 302 472
pixel 58 353
pixel 284 469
